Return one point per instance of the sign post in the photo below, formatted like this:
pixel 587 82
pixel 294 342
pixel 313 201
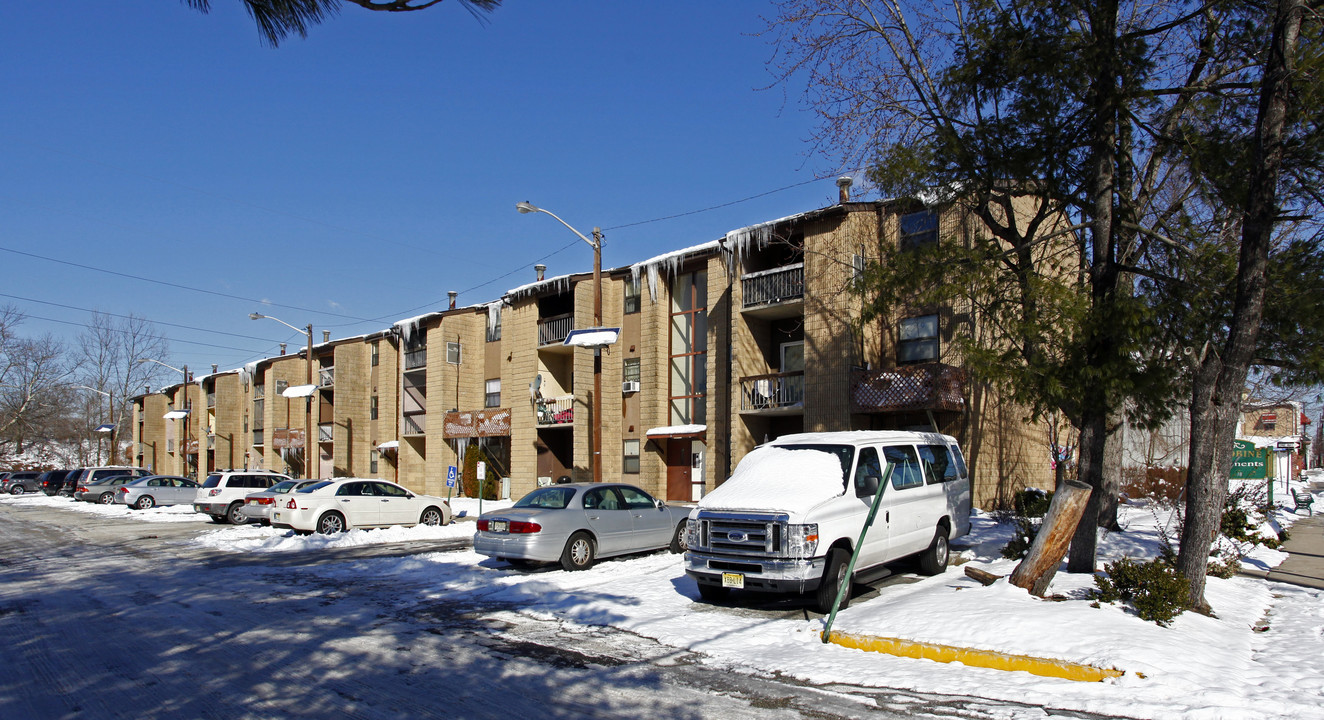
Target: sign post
pixel 482 475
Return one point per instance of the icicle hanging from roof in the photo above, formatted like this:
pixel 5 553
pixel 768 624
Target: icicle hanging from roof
pixel 670 262
pixel 493 315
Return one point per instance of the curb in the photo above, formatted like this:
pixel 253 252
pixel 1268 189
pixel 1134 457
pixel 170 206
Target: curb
pixel 975 658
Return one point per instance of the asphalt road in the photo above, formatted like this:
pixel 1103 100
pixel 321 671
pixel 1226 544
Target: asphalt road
pixel 112 618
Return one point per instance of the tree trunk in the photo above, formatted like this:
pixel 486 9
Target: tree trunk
pixel 1036 571
pixel 1223 378
pixel 1093 436
pixel 1111 485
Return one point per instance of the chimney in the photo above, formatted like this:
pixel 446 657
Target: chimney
pixel 843 189
pixel 282 348
pixel 540 268
pixel 451 294
pixel 213 368
pixel 326 336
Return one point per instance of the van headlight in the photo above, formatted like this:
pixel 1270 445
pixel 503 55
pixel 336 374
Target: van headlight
pixel 802 540
pixel 691 533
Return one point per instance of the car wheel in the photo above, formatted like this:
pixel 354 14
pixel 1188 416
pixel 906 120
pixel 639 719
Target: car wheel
pixel 17 490
pixel 578 553
pixel 145 502
pixel 713 593
pixel 331 523
pixel 235 515
pixel 218 518
pixel 431 516
pixel 680 541
pixel 934 560
pixel 106 498
pixel 834 575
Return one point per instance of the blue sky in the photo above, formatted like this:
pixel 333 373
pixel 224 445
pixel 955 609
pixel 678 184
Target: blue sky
pixel 146 139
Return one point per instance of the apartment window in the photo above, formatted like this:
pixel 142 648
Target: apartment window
pixel 631 371
pixel 259 391
pixel 493 397
pixel 918 229
pixel 372 461
pixel 1269 421
pixel 632 296
pixel 376 353
pixel 372 407
pixel 453 353
pixel 494 325
pixel 689 349
pixel 918 340
pixel 630 459
pixel 280 386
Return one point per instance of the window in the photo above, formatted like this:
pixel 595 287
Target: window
pixel 372 461
pixel 372 408
pixel 494 325
pixel 918 340
pixel 376 353
pixel 280 386
pixel 906 470
pixel 630 373
pixel 630 462
pixel 938 463
pixel 1269 421
pixel 918 229
pixel 637 499
pixel 689 349
pixel 869 467
pixel 493 398
pixel 453 353
pixel 632 296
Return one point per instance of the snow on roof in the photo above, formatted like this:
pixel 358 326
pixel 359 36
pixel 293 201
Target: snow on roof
pixel 670 261
pixel 774 478
pixel 673 430
pixel 389 445
pixel 298 391
pixel 175 414
pixel 558 284
pixel 857 437
pixel 592 337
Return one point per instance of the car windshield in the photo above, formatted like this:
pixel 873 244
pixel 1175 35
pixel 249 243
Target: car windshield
pixel 845 454
pixel 554 498
pixel 314 486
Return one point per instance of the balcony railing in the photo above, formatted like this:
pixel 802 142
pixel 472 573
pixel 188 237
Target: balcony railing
pixel 211 400
pixel 930 386
pixel 554 329
pixel 326 377
pixel 258 436
pixel 769 287
pixel 415 424
pixel 415 359
pixel 772 392
pixel 555 411
pixel 324 432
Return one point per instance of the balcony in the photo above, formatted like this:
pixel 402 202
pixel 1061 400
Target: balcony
pixel 211 400
pixel 415 359
pixel 258 437
pixel 555 411
pixel 767 289
pixel 778 393
pixel 553 330
pixel 930 386
pixel 326 377
pixel 415 424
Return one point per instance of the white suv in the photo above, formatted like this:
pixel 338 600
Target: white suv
pixel 222 493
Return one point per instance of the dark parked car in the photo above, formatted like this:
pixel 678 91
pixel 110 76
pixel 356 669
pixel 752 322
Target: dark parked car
pixel 22 481
pixel 83 476
pixel 58 482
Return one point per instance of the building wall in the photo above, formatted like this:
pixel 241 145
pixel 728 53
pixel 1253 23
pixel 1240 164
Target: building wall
pixel 229 440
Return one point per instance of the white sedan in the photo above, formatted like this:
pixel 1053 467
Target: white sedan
pixel 342 504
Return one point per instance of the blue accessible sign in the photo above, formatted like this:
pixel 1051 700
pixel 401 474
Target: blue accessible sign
pixel 452 475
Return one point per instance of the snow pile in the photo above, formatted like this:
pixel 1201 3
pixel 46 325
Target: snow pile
pixel 169 513
pixel 775 478
pixel 261 539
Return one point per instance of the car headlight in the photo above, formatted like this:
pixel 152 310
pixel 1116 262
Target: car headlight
pixel 802 540
pixel 692 533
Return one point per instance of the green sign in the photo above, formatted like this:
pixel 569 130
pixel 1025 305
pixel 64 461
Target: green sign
pixel 1248 461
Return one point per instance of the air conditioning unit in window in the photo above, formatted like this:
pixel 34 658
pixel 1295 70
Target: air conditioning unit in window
pixel 630 386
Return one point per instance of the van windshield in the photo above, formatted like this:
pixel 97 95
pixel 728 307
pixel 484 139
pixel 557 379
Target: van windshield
pixel 845 454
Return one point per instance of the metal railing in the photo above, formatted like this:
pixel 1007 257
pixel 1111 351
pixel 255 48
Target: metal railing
pixel 772 392
pixel 326 377
pixel 554 329
pixel 927 386
pixel 555 411
pixel 769 287
pixel 415 424
pixel 325 432
pixel 415 359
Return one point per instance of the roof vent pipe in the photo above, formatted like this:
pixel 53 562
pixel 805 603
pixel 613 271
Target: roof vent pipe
pixel 213 368
pixel 451 294
pixel 843 188
pixel 326 336
pixel 282 348
pixel 540 268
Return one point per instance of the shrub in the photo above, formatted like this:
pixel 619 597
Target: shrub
pixel 1031 502
pixel 1019 547
pixel 1155 589
pixel 491 489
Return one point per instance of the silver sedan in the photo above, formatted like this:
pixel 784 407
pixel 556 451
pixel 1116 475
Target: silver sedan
pixel 577 523
pixel 154 490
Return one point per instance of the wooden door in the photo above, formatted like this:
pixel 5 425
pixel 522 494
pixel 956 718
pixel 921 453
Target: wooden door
pixel 678 470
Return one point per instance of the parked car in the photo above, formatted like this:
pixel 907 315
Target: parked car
pixel 577 523
pixel 342 504
pixel 84 476
pixel 257 506
pixel 147 492
pixel 21 481
pixel 791 514
pixel 222 493
pixel 102 490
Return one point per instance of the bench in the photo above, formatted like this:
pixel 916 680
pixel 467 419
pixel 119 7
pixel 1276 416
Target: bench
pixel 1303 499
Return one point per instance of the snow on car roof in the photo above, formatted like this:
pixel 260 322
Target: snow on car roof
pixel 774 478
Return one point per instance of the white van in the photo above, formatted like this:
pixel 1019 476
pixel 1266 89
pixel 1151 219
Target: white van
pixel 791 513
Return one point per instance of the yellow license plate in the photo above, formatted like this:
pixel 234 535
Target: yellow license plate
pixel 733 580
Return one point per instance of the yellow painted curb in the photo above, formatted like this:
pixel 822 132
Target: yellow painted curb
pixel 974 658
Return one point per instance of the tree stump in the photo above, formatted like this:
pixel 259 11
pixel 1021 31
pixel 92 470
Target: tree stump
pixel 1036 571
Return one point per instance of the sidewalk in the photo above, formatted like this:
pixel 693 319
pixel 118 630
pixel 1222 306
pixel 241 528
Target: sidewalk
pixel 1304 565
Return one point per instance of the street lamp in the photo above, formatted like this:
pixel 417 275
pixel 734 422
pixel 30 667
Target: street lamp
pixel 114 447
pixel 308 415
pixel 183 454
pixel 595 455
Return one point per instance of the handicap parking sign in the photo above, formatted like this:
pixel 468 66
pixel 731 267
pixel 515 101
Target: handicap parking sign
pixel 452 474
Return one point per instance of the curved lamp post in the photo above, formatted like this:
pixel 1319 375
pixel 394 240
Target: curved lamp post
pixel 110 399
pixel 183 453
pixel 595 454
pixel 308 443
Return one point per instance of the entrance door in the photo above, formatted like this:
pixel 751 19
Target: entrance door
pixel 678 470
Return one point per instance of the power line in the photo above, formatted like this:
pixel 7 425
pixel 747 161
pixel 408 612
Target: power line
pixel 135 317
pixel 157 337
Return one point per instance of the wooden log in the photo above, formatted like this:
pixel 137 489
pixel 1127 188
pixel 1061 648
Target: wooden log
pixel 1036 571
pixel 983 576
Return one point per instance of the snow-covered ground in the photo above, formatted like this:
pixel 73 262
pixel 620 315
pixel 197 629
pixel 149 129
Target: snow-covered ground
pixel 1262 656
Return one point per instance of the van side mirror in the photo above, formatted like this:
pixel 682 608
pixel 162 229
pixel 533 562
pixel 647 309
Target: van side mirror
pixel 866 486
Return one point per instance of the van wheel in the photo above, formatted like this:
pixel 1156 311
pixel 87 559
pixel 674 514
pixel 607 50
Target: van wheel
pixel 934 560
pixel 713 593
pixel 834 575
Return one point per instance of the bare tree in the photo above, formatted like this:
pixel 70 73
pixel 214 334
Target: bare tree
pixel 33 374
pixel 110 348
